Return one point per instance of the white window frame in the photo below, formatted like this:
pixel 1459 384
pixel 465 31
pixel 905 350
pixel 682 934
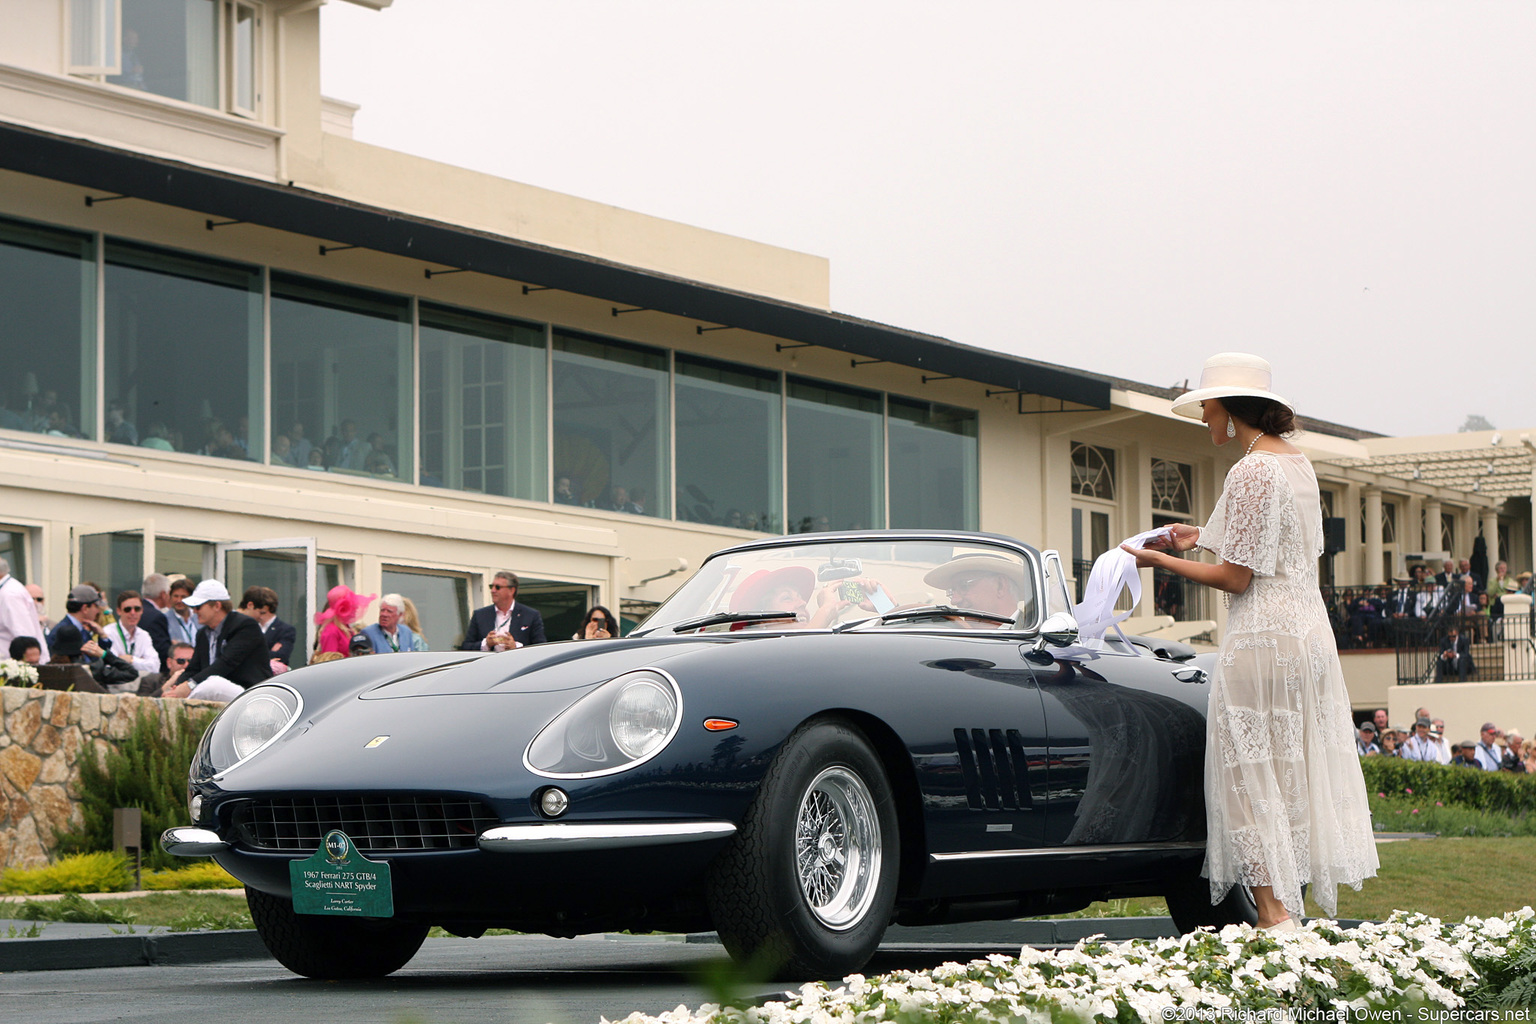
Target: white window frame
pixel 106 21
pixel 230 57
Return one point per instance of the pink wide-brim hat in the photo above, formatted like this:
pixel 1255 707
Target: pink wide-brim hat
pixel 754 589
pixel 1229 375
pixel 343 604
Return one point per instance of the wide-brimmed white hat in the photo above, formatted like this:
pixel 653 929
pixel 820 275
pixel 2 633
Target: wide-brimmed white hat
pixel 1229 375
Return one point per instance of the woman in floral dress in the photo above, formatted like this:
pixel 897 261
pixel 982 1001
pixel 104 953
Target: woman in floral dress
pixel 1285 797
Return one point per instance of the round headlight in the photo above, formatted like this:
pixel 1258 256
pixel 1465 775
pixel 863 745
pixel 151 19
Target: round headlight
pixel 247 724
pixel 642 717
pixel 261 717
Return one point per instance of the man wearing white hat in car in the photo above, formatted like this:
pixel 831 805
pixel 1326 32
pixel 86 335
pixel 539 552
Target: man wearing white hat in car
pixel 984 583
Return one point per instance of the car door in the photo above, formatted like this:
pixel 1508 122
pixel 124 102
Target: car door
pixel 1125 742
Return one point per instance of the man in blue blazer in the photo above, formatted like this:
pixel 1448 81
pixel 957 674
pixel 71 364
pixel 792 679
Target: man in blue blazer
pixel 260 603
pixel 503 624
pixel 156 594
pixel 389 635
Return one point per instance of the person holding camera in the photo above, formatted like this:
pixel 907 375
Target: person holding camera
pixel 599 624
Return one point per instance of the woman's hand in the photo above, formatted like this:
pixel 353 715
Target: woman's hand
pixel 1146 558
pixel 1185 537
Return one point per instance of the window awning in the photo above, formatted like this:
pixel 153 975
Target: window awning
pixel 329 219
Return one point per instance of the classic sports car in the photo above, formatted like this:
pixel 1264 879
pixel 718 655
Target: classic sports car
pixel 814 737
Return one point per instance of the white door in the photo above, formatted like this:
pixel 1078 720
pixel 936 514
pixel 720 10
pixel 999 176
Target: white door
pixel 287 565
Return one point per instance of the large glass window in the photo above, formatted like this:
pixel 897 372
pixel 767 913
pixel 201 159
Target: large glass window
pixel 13 548
pixel 113 562
pixel 729 459
pixel 934 462
pixel 47 331
pixel 171 48
pixel 442 604
pixel 183 352
pixel 611 419
pixel 483 405
pixel 342 387
pixel 836 463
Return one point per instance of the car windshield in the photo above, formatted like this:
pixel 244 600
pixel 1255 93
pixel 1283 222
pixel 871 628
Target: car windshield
pixel 897 584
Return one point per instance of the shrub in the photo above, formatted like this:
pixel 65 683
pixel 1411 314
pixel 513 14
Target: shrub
pixel 1496 792
pixel 200 875
pixel 147 769
pixel 87 872
pixel 74 910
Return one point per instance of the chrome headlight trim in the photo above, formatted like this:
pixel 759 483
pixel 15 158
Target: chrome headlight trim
pixel 226 719
pixel 616 683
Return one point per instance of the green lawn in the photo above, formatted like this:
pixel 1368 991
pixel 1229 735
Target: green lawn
pixel 1448 878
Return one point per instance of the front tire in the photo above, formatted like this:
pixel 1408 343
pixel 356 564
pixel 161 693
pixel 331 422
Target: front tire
pixel 808 885
pixel 317 946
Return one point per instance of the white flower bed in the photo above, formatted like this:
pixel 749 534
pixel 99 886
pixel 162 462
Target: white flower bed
pixel 1408 961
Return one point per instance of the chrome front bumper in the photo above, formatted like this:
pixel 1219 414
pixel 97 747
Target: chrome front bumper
pixel 185 841
pixel 600 835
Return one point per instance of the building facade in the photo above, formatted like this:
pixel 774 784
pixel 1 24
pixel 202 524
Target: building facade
pixel 236 341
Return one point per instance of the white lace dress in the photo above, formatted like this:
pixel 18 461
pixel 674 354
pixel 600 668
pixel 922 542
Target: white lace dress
pixel 1285 797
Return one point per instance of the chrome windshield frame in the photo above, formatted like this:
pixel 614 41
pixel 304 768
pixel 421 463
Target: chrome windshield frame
pixel 1029 555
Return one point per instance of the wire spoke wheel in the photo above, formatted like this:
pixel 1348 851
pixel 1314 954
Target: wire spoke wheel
pixel 837 847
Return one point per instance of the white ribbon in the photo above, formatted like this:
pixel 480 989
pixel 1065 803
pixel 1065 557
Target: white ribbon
pixel 1113 571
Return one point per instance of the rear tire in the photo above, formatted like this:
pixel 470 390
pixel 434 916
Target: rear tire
pixel 317 946
pixel 1189 904
pixel 808 884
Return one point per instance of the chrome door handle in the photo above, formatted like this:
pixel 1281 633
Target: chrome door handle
pixel 1191 675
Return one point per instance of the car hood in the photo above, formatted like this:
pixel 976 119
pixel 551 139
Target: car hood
pixel 541 669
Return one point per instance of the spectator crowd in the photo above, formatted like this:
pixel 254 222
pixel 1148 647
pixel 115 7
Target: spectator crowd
pixel 176 637
pixel 1494 750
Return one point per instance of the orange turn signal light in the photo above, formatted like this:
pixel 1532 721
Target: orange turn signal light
pixel 720 724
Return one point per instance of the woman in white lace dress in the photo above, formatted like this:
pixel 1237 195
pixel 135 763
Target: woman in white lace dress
pixel 1285 797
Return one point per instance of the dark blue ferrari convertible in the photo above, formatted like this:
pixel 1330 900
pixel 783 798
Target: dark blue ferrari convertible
pixel 815 737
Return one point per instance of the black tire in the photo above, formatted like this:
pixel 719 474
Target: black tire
pixel 1189 904
pixel 332 947
pixel 814 905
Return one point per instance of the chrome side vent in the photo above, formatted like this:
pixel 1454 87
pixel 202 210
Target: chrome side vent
pixel 996 771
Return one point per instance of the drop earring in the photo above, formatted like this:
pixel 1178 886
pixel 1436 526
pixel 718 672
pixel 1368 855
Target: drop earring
pixel 1231 429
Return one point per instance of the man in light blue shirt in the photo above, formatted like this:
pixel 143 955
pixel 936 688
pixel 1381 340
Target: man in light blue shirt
pixel 389 635
pixel 1421 746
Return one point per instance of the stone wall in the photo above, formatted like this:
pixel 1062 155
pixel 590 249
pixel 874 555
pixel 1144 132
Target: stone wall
pixel 42 734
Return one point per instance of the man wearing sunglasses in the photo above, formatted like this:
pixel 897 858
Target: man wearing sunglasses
pixel 131 643
pixel 981 582
pixel 503 625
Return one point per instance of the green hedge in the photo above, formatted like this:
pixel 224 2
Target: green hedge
pixel 1508 793
pixel 147 769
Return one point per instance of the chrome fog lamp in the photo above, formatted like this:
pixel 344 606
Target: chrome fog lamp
pixel 553 802
pixel 195 807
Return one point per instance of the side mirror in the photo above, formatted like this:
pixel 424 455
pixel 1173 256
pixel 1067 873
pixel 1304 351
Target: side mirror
pixel 1058 630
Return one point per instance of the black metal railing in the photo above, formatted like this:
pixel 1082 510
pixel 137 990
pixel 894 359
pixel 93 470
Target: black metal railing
pixel 1416 623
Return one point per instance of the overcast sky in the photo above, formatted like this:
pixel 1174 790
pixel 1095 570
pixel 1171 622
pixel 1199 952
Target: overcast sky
pixel 1346 188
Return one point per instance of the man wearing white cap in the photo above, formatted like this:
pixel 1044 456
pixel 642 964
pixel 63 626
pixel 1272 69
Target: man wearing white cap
pixel 229 646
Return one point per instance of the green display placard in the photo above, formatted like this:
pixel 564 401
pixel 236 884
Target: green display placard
pixel 339 880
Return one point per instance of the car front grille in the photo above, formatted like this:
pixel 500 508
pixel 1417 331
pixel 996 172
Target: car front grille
pixel 377 823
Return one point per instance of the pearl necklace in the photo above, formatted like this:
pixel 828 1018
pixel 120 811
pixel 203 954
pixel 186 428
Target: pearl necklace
pixel 1252 443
